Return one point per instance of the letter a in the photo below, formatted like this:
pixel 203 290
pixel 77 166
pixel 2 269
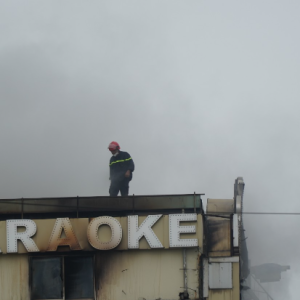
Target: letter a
pixel 56 240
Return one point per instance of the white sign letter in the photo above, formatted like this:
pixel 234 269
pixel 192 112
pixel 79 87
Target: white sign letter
pixel 56 240
pixel 175 229
pixel 116 233
pixel 135 233
pixel 13 235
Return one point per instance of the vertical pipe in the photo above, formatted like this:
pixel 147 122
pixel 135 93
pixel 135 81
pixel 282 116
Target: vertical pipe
pixel 22 208
pixel 63 275
pixel 200 205
pixel 184 271
pixel 77 207
pixel 133 206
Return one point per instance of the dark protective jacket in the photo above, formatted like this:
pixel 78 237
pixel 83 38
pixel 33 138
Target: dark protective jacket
pixel 118 166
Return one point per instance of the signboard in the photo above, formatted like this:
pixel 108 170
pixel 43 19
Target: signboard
pixel 102 233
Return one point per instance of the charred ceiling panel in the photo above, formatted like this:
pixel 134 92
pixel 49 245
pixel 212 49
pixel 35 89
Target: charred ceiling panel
pixel 88 206
pixel 46 205
pixel 11 206
pixel 168 202
pixel 219 236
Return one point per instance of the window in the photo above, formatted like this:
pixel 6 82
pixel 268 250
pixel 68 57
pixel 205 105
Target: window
pixel 62 277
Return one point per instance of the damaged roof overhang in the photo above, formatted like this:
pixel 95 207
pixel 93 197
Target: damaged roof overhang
pixel 98 205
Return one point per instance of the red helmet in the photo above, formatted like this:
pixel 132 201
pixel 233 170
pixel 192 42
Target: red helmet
pixel 113 146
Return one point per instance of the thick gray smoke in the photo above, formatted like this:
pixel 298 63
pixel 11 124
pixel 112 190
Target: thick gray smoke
pixel 198 93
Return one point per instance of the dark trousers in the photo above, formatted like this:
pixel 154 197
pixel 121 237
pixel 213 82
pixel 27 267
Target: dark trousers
pixel 122 186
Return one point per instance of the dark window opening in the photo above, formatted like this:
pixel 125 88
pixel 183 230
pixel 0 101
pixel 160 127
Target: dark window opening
pixel 79 279
pixel 47 278
pixel 64 277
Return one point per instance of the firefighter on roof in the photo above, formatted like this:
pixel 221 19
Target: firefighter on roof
pixel 121 167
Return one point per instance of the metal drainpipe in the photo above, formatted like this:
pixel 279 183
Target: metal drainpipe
pixel 185 274
pixel 185 294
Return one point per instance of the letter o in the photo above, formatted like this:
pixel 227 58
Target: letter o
pixel 116 233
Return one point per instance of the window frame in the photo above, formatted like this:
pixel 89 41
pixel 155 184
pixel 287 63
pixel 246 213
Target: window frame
pixel 62 257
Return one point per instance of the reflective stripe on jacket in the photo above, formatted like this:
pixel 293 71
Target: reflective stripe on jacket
pixel 118 166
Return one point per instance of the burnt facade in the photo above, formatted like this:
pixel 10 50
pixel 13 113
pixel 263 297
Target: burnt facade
pixel 138 247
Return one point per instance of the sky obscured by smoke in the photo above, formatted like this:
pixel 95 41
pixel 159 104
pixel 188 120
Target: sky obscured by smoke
pixel 198 93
